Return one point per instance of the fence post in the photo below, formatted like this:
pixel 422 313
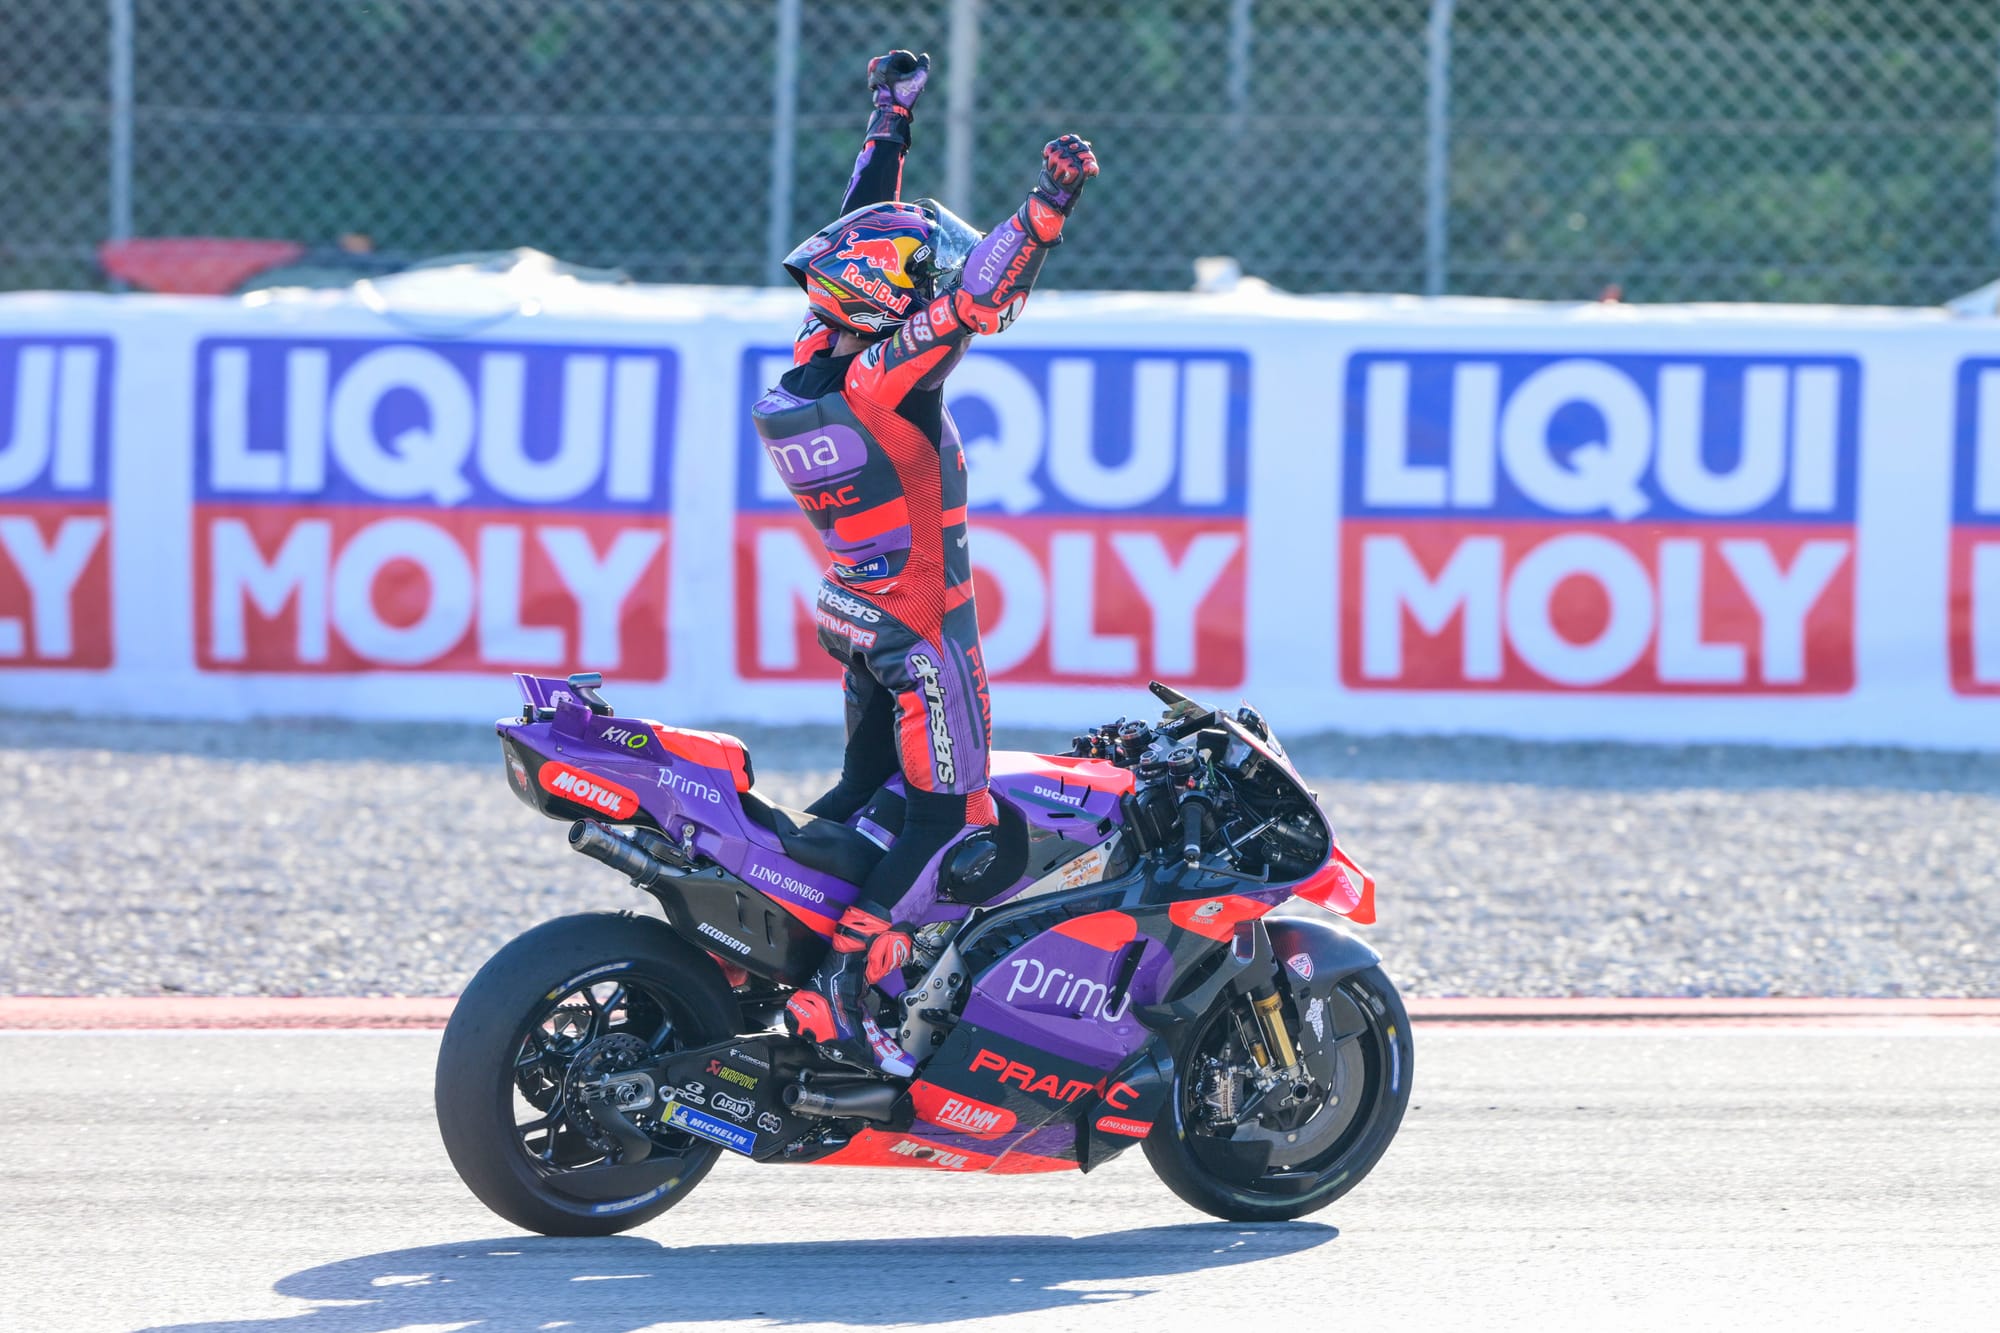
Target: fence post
pixel 962 50
pixel 1437 149
pixel 118 225
pixel 784 141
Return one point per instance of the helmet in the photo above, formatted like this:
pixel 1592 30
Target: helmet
pixel 871 269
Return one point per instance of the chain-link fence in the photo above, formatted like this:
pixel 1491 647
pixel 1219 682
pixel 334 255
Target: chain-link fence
pixel 1813 150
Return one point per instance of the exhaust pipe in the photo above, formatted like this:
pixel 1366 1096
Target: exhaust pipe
pixel 619 852
pixel 868 1101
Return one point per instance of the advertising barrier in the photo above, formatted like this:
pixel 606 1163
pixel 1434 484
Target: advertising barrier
pixel 1765 524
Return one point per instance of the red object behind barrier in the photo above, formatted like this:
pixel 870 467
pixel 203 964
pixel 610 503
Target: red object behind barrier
pixel 193 265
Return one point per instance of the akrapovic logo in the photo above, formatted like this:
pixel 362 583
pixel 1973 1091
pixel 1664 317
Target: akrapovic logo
pixel 927 678
pixel 587 789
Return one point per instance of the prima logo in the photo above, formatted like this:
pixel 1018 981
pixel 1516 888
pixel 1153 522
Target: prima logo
pixel 1079 997
pixel 685 786
pixel 932 685
pixel 588 789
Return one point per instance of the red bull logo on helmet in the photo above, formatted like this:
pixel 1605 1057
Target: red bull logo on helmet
pixel 887 255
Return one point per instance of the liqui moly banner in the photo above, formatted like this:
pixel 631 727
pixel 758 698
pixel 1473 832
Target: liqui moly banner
pixel 1774 524
pixel 427 506
pixel 55 531
pixel 1975 531
pixel 1108 495
pixel 1549 522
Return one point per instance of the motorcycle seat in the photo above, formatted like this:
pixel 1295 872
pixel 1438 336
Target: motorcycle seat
pixel 826 845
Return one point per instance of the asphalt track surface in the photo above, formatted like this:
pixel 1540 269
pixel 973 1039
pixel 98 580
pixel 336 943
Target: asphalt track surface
pixel 1607 1178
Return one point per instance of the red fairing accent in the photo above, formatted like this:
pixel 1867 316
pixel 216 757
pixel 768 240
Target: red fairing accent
pixel 1100 930
pixel 1097 774
pixel 874 1147
pixel 1217 918
pixel 979 811
pixel 811 1015
pixel 587 789
pixel 956 1111
pixel 1342 886
pixel 710 749
pixel 1113 1124
pixel 1028 1163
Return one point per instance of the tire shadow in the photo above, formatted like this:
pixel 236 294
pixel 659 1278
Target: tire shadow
pixel 623 1283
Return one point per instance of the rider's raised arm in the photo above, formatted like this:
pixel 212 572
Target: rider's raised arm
pixel 990 290
pixel 895 81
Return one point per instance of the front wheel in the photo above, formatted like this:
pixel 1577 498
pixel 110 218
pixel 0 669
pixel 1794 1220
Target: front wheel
pixel 1254 1153
pixel 553 1019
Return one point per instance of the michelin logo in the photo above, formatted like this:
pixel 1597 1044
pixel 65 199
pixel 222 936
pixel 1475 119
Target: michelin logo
pixel 733 1137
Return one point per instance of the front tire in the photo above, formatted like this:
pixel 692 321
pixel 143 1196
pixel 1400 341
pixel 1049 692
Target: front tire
pixel 1375 1057
pixel 568 999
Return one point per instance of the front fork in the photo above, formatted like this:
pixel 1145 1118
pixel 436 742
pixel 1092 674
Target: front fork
pixel 1277 1052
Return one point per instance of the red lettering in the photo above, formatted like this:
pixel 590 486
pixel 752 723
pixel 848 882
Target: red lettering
pixel 987 1060
pixel 1120 1096
pixel 1018 1072
pixel 1047 1085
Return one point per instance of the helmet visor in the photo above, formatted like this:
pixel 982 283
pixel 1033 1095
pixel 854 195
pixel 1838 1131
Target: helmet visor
pixel 952 239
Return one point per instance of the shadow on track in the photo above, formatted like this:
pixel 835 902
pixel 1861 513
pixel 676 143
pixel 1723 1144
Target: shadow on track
pixel 622 1283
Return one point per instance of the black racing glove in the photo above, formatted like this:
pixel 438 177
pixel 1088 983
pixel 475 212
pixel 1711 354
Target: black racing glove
pixel 1066 164
pixel 896 81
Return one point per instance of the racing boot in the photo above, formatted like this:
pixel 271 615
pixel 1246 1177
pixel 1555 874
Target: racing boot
pixel 837 1012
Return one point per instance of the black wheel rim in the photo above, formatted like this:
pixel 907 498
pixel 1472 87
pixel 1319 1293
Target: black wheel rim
pixel 608 1021
pixel 1304 1156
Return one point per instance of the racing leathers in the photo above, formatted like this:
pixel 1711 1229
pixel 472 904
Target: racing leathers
pixel 868 451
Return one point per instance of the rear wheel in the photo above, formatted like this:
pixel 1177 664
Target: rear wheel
pixel 1254 1154
pixel 542 1034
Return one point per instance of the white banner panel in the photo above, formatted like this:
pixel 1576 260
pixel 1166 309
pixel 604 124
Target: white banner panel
pixel 1669 523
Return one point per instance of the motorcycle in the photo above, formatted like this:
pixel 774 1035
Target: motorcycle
pixel 1101 967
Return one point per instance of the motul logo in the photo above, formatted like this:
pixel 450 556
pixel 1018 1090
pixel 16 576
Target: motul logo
pixel 952 1111
pixel 588 789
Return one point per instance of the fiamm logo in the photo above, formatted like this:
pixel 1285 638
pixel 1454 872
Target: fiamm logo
pixel 1975 531
pixel 431 506
pixel 55 530
pixel 1107 494
pixel 1656 523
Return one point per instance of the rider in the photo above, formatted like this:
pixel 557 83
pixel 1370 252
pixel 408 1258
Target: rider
pixel 858 431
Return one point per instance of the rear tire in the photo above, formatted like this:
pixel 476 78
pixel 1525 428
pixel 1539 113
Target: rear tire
pixel 1387 1060
pixel 631 978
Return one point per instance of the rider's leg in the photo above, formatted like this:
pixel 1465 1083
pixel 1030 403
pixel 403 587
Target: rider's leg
pixel 870 759
pixel 942 734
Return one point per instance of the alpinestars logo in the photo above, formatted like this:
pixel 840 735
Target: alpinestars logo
pixel 927 678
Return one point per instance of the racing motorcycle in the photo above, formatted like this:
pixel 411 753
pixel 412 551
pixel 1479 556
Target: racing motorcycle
pixel 1102 966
